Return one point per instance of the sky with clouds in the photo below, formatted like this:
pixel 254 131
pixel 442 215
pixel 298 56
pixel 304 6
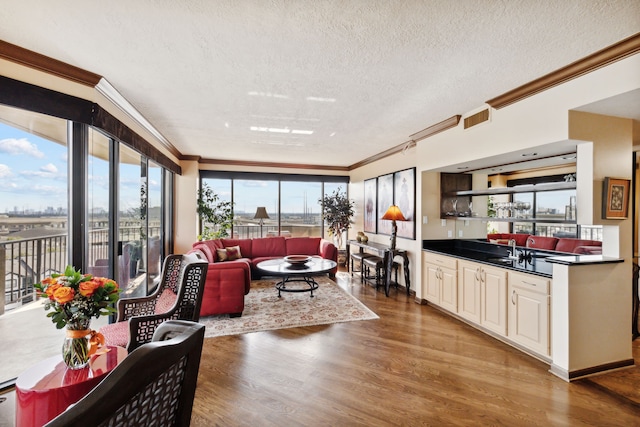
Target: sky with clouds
pixel 33 176
pixel 33 172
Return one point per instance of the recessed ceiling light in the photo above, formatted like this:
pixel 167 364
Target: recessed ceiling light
pixel 302 132
pixel 529 154
pixel 570 157
pixel 318 99
pixel 266 129
pixel 267 94
pixel 332 134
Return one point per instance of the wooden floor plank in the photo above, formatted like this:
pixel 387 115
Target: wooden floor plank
pixel 413 366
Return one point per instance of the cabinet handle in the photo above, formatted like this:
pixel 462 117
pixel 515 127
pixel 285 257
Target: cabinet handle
pixel 529 283
pixel 478 274
pixel 483 276
pixel 513 296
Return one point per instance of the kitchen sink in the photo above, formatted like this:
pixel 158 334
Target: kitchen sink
pixel 506 261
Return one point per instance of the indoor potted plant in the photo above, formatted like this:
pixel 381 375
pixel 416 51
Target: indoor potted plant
pixel 216 215
pixel 337 212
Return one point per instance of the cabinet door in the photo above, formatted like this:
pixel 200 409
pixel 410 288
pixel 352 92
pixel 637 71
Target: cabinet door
pixel 529 317
pixel 432 283
pixel 469 291
pixel 449 289
pixel 493 300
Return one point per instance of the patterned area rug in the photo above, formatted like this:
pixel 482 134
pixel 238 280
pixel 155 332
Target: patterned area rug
pixel 264 311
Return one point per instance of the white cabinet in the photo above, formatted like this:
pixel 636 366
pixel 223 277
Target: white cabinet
pixel 493 299
pixel 469 291
pixel 440 280
pixel 482 295
pixel 529 312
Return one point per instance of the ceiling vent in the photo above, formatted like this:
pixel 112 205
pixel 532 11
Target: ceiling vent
pixel 476 119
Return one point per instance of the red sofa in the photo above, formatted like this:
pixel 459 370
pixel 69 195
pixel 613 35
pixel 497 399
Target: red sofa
pixel 229 281
pixel 503 238
pixel 557 244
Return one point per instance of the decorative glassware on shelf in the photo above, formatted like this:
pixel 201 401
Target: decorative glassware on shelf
pixel 453 210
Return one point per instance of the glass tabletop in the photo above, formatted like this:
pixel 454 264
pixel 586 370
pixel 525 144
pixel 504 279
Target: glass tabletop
pixel 316 265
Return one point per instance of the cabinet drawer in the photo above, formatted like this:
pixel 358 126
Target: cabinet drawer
pixel 535 284
pixel 439 260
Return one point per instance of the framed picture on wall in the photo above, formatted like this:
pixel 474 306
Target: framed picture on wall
pixel 404 183
pixel 370 205
pixel 385 199
pixel 615 198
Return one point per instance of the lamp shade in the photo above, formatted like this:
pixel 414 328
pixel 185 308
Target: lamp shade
pixel 393 213
pixel 261 213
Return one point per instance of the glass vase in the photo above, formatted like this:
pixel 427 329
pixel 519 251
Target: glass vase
pixel 75 348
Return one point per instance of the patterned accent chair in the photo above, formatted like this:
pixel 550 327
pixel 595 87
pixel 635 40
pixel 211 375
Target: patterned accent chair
pixel 153 386
pixel 178 297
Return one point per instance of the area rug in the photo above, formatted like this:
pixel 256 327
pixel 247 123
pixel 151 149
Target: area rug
pixel 264 311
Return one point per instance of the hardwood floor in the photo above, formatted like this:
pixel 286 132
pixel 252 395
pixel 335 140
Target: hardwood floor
pixel 413 366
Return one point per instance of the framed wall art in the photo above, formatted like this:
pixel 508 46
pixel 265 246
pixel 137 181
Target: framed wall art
pixel 404 184
pixel 385 199
pixel 370 205
pixel 615 198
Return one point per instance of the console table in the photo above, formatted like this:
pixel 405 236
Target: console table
pixel 388 256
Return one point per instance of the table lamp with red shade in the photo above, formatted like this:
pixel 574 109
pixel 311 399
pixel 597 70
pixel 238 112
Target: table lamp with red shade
pixel 394 214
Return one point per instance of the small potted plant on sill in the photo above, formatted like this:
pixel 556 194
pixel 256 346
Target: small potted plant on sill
pixel 337 212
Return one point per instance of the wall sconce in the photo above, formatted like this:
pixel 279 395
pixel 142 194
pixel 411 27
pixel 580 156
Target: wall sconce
pixel 394 214
pixel 261 214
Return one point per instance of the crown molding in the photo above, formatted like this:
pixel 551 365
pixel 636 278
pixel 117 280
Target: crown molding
pixel 449 123
pixel 40 62
pixel 114 97
pixel 265 164
pixel 616 52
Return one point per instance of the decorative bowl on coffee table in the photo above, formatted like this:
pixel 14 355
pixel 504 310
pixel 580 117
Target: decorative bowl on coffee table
pixel 297 260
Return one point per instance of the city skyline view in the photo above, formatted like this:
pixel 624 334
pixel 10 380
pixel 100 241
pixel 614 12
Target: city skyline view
pixel 33 172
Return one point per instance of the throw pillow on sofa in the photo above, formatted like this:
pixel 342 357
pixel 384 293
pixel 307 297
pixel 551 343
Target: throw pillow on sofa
pixel 233 252
pixel 229 254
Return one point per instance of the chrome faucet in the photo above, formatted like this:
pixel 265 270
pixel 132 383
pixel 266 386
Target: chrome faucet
pixel 513 253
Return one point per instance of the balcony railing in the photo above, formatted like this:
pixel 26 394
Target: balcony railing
pixel 24 262
pixel 27 261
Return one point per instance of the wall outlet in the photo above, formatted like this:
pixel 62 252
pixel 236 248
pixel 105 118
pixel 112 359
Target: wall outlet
pixel 459 233
pixel 425 219
pixel 443 222
pixel 449 233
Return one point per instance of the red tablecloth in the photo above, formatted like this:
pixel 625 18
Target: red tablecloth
pixel 48 388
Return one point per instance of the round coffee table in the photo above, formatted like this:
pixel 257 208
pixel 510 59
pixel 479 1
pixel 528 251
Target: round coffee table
pixel 303 272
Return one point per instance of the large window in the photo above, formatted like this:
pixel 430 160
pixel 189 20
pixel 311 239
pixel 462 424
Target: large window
pixel 71 194
pixel 248 196
pixel 290 201
pixel 548 213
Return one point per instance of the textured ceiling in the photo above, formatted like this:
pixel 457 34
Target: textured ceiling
pixel 250 79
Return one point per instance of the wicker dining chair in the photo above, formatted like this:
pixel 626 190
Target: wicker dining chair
pixel 178 297
pixel 153 386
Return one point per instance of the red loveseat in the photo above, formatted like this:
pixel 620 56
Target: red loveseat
pixel 228 281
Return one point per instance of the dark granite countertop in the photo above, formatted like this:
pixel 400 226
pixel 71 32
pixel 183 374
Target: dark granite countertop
pixel 529 261
pixel 533 261
pixel 582 259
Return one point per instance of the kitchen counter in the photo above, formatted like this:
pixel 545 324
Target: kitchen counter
pixel 529 261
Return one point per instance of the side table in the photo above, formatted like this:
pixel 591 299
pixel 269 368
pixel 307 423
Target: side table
pixel 46 389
